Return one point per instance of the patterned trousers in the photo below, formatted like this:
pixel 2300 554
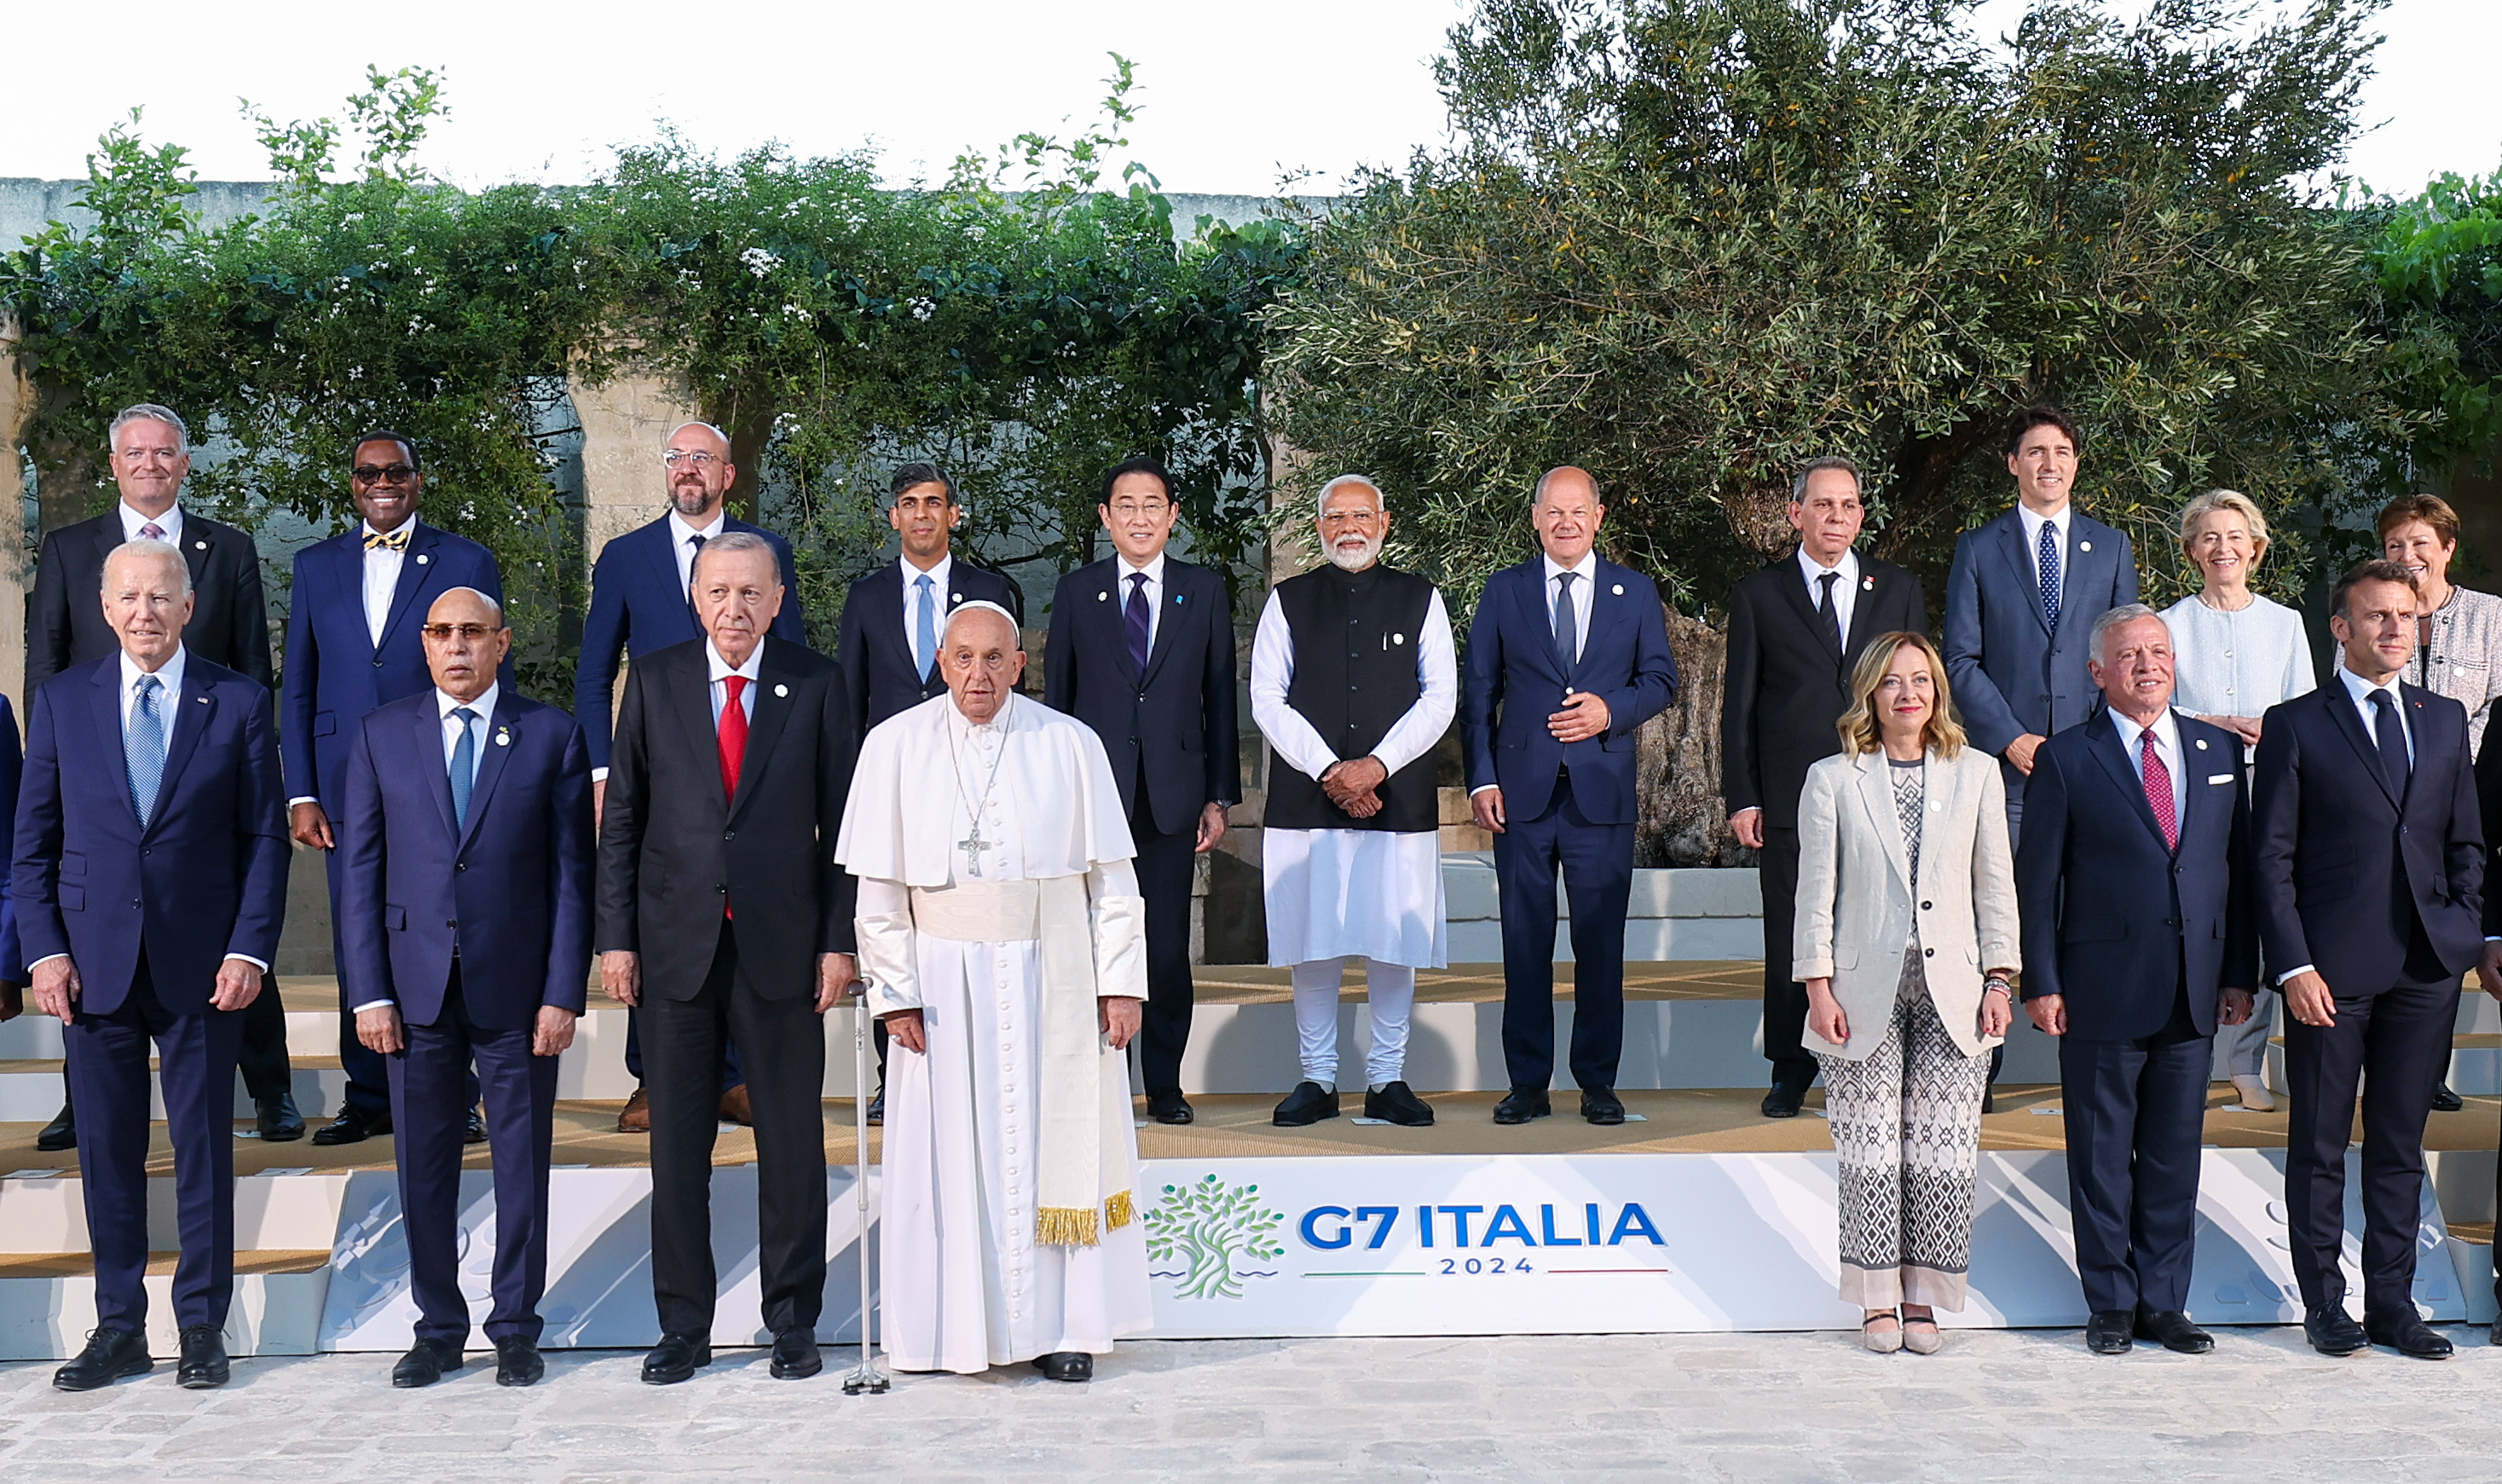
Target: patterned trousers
pixel 1907 1131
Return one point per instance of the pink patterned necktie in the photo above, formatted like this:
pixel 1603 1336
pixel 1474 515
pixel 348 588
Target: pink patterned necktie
pixel 151 531
pixel 2158 789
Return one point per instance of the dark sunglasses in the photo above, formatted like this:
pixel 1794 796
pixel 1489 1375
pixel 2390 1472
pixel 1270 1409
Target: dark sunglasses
pixel 386 474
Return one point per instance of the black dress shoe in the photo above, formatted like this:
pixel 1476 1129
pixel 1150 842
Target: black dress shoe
pixel 1395 1103
pixel 2444 1100
pixel 280 1123
pixel 877 1109
pixel 676 1358
pixel 518 1362
pixel 1522 1104
pixel 2409 1337
pixel 109 1355
pixel 1308 1103
pixel 1602 1106
pixel 1069 1364
pixel 2174 1330
pixel 2494 1335
pixel 2109 1331
pixel 203 1366
pixel 60 1133
pixel 1784 1101
pixel 1168 1108
pixel 2334 1332
pixel 477 1131
pixel 353 1126
pixel 426 1363
pixel 794 1355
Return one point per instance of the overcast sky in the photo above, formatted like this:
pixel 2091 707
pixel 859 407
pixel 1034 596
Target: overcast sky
pixel 1236 96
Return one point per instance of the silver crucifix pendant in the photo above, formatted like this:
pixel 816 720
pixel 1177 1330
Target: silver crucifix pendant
pixel 973 845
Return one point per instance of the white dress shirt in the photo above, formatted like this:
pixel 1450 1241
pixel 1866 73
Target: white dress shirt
pixel 381 577
pixel 2359 690
pixel 2033 524
pixel 170 522
pixel 484 708
pixel 1154 571
pixel 1845 592
pixel 170 676
pixel 939 576
pixel 682 541
pixel 721 670
pixel 1584 573
pixel 2167 746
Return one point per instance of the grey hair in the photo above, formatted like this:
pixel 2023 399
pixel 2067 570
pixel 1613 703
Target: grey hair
pixel 733 541
pixel 496 608
pixel 149 412
pixel 1816 466
pixel 2113 617
pixel 152 551
pixel 1380 501
pixel 696 422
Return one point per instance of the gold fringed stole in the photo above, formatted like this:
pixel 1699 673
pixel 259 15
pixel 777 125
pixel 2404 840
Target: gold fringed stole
pixel 1069 1158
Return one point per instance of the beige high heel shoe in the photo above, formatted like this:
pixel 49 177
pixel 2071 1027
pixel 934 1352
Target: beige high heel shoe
pixel 1882 1342
pixel 2254 1094
pixel 1927 1339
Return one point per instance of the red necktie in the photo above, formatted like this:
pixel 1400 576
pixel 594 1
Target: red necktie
pixel 2158 789
pixel 733 744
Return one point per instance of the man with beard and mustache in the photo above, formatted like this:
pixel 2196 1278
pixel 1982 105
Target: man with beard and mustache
pixel 1353 682
pixel 639 603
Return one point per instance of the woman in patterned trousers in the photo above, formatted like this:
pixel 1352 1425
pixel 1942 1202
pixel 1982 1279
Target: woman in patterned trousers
pixel 1906 944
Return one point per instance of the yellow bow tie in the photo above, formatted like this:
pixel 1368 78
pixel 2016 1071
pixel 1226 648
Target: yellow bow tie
pixel 386 541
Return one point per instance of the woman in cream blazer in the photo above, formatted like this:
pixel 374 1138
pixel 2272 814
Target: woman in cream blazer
pixel 1907 943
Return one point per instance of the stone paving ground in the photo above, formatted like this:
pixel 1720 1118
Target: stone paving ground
pixel 1996 1406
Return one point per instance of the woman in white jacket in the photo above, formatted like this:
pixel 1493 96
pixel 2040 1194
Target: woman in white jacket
pixel 1907 943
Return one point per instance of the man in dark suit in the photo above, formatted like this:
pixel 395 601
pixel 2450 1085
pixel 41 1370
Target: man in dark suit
pixel 1567 656
pixel 352 644
pixel 887 643
pixel 2371 875
pixel 721 913
pixel 2021 598
pixel 2140 937
pixel 639 603
pixel 1142 650
pixel 151 456
pixel 465 902
pixel 150 884
pixel 1795 630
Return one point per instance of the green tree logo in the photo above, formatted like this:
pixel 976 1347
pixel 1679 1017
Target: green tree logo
pixel 1198 1231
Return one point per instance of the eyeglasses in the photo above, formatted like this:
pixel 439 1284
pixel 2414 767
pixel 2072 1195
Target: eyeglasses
pixel 701 458
pixel 383 474
pixel 473 632
pixel 1131 510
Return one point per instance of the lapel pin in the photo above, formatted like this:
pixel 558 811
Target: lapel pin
pixel 782 691
pixel 421 558
pixel 1618 589
pixel 2084 546
pixel 200 546
pixel 1178 597
pixel 1866 585
pixel 202 699
pixel 2202 744
pixel 503 738
pixel 1102 597
pixel 1398 638
pixel 955 597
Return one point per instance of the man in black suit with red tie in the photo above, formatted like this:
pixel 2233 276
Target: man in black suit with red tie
pixel 1142 650
pixel 1795 630
pixel 2371 876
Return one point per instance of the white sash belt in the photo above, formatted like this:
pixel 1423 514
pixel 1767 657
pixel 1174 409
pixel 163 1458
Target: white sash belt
pixel 980 911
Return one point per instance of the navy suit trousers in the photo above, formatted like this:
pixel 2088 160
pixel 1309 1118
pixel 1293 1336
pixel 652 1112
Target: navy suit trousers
pixel 431 1095
pixel 1165 865
pixel 107 1069
pixel 1597 863
pixel 2136 1113
pixel 369 1081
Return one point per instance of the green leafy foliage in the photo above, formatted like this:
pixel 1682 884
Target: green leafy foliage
pixel 2439 259
pixel 1206 1227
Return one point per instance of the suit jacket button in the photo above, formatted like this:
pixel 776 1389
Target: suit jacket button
pixel 378 662
pixel 1142 697
pixel 143 850
pixel 1928 952
pixel 1925 907
pixel 460 865
pixel 729 834
pixel 452 922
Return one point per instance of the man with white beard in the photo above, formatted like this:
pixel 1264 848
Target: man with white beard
pixel 1353 682
pixel 1002 938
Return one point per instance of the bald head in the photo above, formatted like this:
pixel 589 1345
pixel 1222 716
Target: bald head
pixel 982 656
pixel 465 641
pixel 1565 510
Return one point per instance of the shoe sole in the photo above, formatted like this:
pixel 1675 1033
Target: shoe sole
pixel 782 1373
pixel 128 1370
pixel 1283 1122
pixel 501 1379
pixel 1514 1123
pixel 205 1383
pixel 649 1379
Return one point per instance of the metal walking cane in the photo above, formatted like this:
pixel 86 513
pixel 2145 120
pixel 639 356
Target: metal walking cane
pixel 868 1377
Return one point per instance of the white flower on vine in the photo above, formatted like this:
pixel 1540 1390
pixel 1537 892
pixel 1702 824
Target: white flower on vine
pixel 759 262
pixel 923 309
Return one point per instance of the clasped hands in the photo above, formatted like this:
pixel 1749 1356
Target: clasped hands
pixel 1117 1015
pixel 57 985
pixel 1354 784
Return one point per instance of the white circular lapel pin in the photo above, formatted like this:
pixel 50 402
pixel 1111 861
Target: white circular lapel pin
pixel 503 738
pixel 421 558
pixel 2084 546
pixel 1618 589
pixel 1102 597
pixel 1398 638
pixel 782 691
pixel 1866 585
pixel 2202 744
pixel 200 546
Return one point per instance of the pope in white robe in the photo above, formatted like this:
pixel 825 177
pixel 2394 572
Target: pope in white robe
pixel 1003 942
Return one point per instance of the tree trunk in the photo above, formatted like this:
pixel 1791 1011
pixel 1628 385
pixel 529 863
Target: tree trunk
pixel 1676 769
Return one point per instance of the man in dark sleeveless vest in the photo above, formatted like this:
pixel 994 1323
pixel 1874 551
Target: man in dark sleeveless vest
pixel 1353 682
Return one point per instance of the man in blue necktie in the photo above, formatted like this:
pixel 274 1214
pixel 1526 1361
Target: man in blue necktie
pixel 465 904
pixel 149 882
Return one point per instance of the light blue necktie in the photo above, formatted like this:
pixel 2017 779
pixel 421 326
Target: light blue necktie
pixel 2049 549
pixel 464 766
pixel 925 629
pixel 143 748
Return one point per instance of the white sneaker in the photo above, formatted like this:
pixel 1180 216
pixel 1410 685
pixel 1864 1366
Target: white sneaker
pixel 2256 1096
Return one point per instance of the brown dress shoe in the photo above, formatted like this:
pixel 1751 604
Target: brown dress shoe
pixel 637 1115
pixel 734 1107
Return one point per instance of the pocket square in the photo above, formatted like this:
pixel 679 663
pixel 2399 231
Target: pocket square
pixel 2219 778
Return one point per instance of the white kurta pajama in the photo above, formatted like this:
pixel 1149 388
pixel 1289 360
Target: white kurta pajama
pixel 967 1282
pixel 1333 895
